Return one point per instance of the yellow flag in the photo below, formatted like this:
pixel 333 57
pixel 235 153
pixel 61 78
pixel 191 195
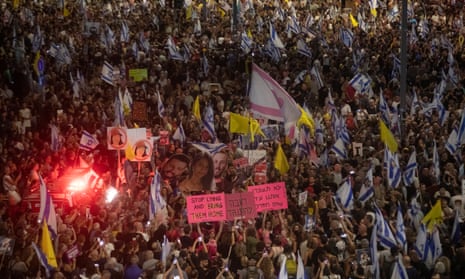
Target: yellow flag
pixel 15 4
pixel 36 63
pixel 244 125
pixel 280 161
pixel 238 124
pixel 189 12
pixel 374 12
pixel 46 245
pixel 221 11
pixel 65 12
pixel 249 34
pixel 353 21
pixel 433 217
pixel 387 137
pixel 129 152
pixel 306 120
pixel 196 108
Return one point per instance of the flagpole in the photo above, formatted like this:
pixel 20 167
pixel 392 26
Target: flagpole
pixel 403 66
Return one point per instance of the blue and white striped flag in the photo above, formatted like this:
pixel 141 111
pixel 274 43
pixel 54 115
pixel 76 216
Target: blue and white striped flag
pixel 393 169
pixel 165 250
pixel 339 149
pixel 423 29
pixel 367 190
pixel 399 271
pixel 456 233
pixel 47 209
pixel 461 129
pixel 37 40
pixel 88 142
pixel 384 234
pixel 211 148
pixel 436 164
pixel 246 43
pixel 209 122
pixel 55 138
pixel 303 49
pixel 119 111
pixel 274 37
pixel 411 169
pixel 421 241
pixel 375 268
pixel 400 230
pixel 173 51
pixel 316 75
pixel 303 145
pixel 384 109
pixel 160 106
pixel 415 104
pixel 395 67
pixel 156 202
pixel 361 83
pixel 107 73
pixel 347 37
pixel 293 25
pixel 452 144
pixel 42 260
pixel 179 134
pixel 393 14
pixel 345 196
pixel 433 249
pixel 124 32
pixel 205 65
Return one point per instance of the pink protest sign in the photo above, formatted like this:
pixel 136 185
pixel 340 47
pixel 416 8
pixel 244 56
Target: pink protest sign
pixel 270 196
pixel 206 208
pixel 240 205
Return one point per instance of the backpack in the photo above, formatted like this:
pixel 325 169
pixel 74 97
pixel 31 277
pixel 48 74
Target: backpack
pixel 291 265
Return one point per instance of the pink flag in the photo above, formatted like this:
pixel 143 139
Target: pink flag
pixel 268 99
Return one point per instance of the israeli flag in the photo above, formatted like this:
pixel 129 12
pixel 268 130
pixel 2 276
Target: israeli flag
pixel 410 170
pixel 160 106
pixel 400 230
pixel 345 196
pixel 124 32
pixel 293 25
pixel 47 208
pixel 367 190
pixel 393 169
pixel 339 149
pixel 107 73
pixel 303 49
pixel 275 40
pixel 173 50
pixel 452 142
pixel 316 75
pixel 347 37
pixel 179 134
pixel 375 268
pixel 399 271
pixel 211 148
pixel 361 83
pixel 246 43
pixel 209 122
pixel 384 233
pixel 205 65
pixel 88 142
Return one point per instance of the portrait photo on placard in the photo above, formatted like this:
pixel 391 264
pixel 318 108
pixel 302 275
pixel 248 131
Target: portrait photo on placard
pixel 117 138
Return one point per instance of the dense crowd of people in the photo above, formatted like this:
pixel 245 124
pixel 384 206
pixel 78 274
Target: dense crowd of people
pixel 61 91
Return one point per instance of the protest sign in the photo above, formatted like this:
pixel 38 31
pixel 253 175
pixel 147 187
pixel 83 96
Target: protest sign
pixel 270 196
pixel 206 208
pixel 138 74
pixel 240 205
pixel 72 252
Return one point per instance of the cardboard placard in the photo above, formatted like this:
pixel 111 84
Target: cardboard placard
pixel 270 196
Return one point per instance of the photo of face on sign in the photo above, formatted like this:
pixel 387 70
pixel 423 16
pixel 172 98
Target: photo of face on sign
pixel 142 150
pixel 117 138
pixel 200 178
pixel 176 167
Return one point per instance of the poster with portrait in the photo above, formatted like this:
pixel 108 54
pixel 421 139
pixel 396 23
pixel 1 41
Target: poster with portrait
pixel 116 138
pixel 140 147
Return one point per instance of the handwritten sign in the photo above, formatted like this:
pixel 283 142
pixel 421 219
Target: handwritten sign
pixel 138 74
pixel 206 208
pixel 270 196
pixel 240 205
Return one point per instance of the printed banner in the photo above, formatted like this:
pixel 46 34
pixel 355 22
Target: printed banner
pixel 117 138
pixel 270 196
pixel 206 208
pixel 240 205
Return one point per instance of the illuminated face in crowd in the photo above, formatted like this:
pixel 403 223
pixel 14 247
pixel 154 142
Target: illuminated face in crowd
pixel 174 168
pixel 220 161
pixel 200 168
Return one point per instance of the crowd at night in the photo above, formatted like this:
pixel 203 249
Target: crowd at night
pixel 150 125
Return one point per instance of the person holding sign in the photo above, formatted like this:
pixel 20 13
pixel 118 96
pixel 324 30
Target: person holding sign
pixel 200 178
